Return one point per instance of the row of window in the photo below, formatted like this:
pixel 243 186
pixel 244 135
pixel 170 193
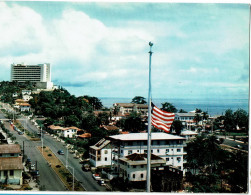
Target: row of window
pixel 5 173
pixel 157 151
pixel 134 176
pixel 173 158
pixel 153 142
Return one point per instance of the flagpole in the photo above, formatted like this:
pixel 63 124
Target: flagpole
pixel 148 188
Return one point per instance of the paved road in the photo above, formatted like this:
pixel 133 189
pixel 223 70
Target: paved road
pixel 84 177
pixel 48 178
pixel 233 143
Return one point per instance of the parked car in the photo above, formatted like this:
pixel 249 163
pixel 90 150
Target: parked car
pixel 239 146
pixel 101 182
pixel 96 176
pixel 61 152
pixel 20 133
pixel 28 161
pixel 86 167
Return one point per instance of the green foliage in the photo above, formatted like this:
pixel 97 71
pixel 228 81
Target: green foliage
pixel 177 126
pixel 93 101
pixel 209 166
pixel 133 123
pixel 168 107
pixel 182 111
pixel 138 100
pixel 103 118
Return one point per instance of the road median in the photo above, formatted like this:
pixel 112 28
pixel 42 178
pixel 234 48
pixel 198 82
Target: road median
pixel 63 173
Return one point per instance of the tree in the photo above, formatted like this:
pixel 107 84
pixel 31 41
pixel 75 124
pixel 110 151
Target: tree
pixel 134 123
pixel 197 110
pixel 168 107
pixel 229 120
pixel 197 118
pixel 182 111
pixel 103 118
pixel 205 115
pixel 94 102
pixel 177 126
pixel 241 118
pixel 138 100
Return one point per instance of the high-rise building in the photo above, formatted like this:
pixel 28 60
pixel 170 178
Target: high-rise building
pixel 39 74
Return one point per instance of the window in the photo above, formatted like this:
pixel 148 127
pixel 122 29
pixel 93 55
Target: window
pixel 98 158
pixel 178 159
pixel 105 158
pixel 178 150
pixel 5 173
pixel 142 166
pixel 134 166
pixel 167 159
pixel 12 154
pixel 133 175
pixel 137 150
pixel 157 150
pixel 129 152
pixel 11 172
pixel 145 151
pixel 167 150
pixel 106 152
pixel 98 152
pixel 141 175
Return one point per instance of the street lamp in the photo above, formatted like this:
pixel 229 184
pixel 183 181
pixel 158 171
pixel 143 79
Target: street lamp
pixel 72 178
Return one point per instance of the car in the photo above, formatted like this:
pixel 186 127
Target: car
pixel 86 167
pixel 20 133
pixel 61 152
pixel 96 176
pixel 35 173
pixel 239 146
pixel 101 182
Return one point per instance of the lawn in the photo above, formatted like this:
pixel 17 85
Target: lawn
pixel 63 173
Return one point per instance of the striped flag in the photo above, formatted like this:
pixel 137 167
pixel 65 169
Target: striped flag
pixel 162 119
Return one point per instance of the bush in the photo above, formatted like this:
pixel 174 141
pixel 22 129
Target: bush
pixel 49 154
pixel 58 166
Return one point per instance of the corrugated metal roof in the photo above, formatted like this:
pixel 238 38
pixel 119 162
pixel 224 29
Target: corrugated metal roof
pixel 11 163
pixel 10 149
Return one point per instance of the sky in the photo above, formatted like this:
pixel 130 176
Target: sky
pixel 101 49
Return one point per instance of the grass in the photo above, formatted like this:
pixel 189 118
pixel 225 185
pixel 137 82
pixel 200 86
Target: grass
pixel 63 173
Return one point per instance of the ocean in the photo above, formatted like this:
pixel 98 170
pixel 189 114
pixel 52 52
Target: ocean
pixel 212 106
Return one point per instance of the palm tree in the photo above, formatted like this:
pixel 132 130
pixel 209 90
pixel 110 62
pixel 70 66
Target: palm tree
pixel 166 106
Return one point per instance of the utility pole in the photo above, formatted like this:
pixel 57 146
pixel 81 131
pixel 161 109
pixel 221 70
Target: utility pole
pixel 148 179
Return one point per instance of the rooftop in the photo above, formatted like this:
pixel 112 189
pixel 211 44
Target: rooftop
pixel 10 149
pixel 100 144
pixel 144 136
pixel 11 163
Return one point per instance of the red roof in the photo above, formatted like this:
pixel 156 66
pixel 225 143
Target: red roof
pixel 85 135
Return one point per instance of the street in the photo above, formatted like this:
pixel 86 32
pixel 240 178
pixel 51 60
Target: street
pixel 48 178
pixel 84 177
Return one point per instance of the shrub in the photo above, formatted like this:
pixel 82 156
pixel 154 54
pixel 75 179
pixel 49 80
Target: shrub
pixel 49 154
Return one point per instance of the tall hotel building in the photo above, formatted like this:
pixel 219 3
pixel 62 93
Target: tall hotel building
pixel 39 74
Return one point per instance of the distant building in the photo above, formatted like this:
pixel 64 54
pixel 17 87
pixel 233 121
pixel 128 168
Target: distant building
pixel 11 166
pixel 188 134
pixel 68 132
pixel 127 108
pixel 39 74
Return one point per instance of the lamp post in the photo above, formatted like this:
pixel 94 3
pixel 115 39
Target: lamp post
pixel 72 178
pixel 66 157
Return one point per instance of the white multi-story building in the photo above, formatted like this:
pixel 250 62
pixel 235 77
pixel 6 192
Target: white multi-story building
pixel 100 153
pixel 167 146
pixel 39 74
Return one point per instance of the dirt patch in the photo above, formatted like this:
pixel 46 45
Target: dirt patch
pixel 63 173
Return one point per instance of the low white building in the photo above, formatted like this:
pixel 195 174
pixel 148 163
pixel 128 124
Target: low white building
pixel 68 132
pixel 188 134
pixel 134 166
pixel 100 153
